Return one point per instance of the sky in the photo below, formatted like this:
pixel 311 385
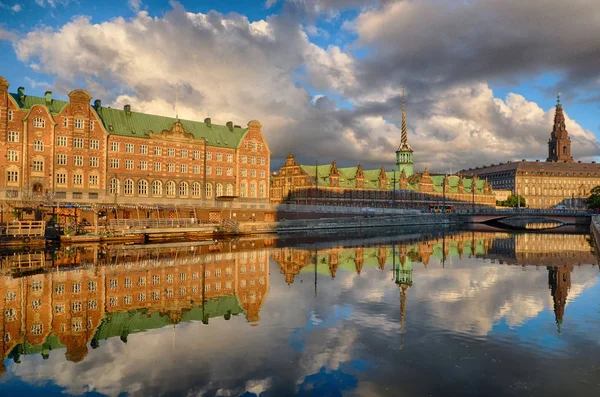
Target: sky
pixel 325 77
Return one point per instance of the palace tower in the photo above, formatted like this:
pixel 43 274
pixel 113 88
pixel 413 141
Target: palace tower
pixel 404 154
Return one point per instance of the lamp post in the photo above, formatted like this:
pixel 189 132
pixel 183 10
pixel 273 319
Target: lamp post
pixel 394 191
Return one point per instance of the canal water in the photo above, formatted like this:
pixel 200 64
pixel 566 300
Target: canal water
pixel 438 314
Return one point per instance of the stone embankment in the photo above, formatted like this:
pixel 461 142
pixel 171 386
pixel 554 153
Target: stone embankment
pixel 595 229
pixel 357 222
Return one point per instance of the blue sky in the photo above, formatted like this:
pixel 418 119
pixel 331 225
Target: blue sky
pixel 324 76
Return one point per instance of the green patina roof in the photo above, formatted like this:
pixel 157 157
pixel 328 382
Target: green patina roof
pixel 137 125
pixel 119 323
pixel 29 101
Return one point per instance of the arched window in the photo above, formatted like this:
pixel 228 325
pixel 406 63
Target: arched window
pixel 142 187
pixel 183 189
pixel 219 190
pixel 196 190
pixel 229 190
pixel 208 190
pixel 128 186
pixel 252 189
pixel 157 188
pixel 38 146
pixel 39 122
pixel 564 150
pixel 262 190
pixel 113 186
pixel 170 188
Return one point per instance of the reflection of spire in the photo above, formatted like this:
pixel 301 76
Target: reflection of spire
pixel 559 282
pixel 316 263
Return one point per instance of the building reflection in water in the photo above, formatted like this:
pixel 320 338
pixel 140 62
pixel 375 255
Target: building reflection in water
pixel 77 297
pixel 559 253
pixel 84 295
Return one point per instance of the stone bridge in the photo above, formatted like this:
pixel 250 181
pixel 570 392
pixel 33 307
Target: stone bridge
pixel 492 216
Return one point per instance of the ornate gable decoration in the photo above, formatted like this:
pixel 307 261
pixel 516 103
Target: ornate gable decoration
pixel 176 133
pixel 333 171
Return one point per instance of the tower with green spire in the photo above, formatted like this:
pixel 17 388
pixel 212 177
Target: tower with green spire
pixel 404 154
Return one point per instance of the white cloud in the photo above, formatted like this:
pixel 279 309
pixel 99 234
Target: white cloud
pixel 52 3
pixel 14 8
pixel 135 5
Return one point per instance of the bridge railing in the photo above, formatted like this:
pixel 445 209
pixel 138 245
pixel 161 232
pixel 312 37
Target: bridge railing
pixel 526 211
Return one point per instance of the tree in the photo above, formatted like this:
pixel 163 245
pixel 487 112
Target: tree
pixel 593 201
pixel 511 201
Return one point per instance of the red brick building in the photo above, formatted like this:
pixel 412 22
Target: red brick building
pixel 71 151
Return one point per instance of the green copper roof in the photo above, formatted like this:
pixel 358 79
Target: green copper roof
pixel 29 101
pixel 134 124
pixel 119 323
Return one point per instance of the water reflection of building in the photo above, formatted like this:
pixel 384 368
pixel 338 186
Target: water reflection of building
pixel 559 281
pixel 123 291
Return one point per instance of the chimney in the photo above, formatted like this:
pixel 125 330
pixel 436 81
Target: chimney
pixel 127 109
pixel 207 122
pixel 21 91
pixel 230 125
pixel 97 104
pixel 48 96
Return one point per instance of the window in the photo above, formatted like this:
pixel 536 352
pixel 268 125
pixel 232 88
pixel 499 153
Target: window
pixel 38 146
pixel 196 154
pixel 157 151
pixel 59 289
pixel 182 276
pixel 142 187
pixel 76 288
pixel 128 186
pixel 12 176
pixel 183 189
pixel 219 190
pixel 182 291
pixel 244 172
pixel 77 180
pixel 113 186
pixel 141 281
pixel 169 278
pixel 157 188
pixel 92 304
pixel 13 136
pixel 157 166
pixel 128 164
pixel 252 189
pixel 92 125
pixel 143 149
pixel 171 152
pixel 209 170
pixel 196 169
pixel 155 279
pixel 112 302
pixel 262 190
pixel 229 190
pixel 219 171
pixel 79 124
pixel 78 160
pixel 229 171
pixel 93 180
pixel 38 165
pixel 252 160
pixel 10 115
pixel 170 167
pixel 209 155
pixel 253 173
pixel 143 165
pixel 61 159
pixel 155 296
pixel 113 283
pixel 39 122
pixel 36 304
pixel 169 293
pixel 230 158
pixel 12 155
pixel 94 162
pixel 244 159
pixel 183 168
pixel 65 121
pixel 170 188
pixel 141 297
pixel 196 189
pixel 127 282
pixel 114 146
pixel 207 288
pixel 92 286
pixel 183 153
pixel 243 189
pixel 114 163
pixel 219 156
pixel 94 144
pixel 262 161
pixel 129 148
pixel 262 173
pixel 37 285
pixel 208 190
pixel 59 309
pixel 76 306
pixel 218 272
pixel 78 143
pixel 37 329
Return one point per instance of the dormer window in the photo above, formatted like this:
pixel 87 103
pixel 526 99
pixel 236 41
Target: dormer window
pixel 39 122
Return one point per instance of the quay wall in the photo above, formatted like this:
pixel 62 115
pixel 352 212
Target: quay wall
pixel 357 222
pixel 595 230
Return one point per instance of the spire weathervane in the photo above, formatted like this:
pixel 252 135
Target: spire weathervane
pixel 558 99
